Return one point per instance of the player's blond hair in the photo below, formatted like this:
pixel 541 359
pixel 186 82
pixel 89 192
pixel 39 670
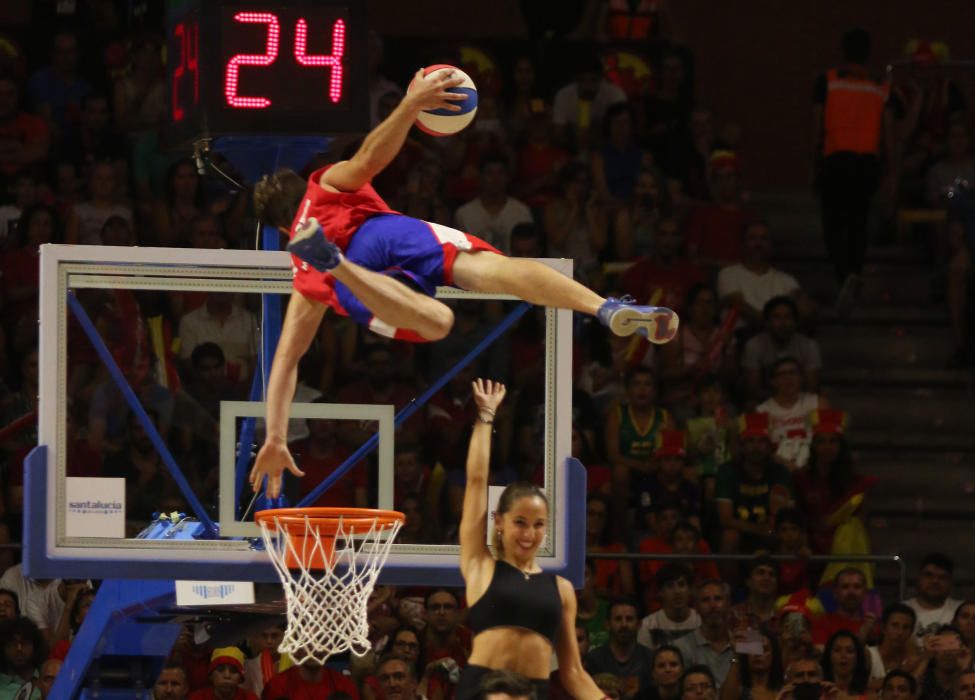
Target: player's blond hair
pixel 277 196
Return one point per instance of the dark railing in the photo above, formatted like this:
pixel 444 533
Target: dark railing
pixel 815 558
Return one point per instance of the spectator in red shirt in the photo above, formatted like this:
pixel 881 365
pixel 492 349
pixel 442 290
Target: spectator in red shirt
pixel 444 636
pixel 714 230
pixel 666 275
pixel 446 644
pixel 171 684
pixel 538 159
pixel 379 385
pixel 672 535
pixel 226 675
pixel 850 591
pixel 319 455
pixel 613 577
pixel 24 138
pixel 309 681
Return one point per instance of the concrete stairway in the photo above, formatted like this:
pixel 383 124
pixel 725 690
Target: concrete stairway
pixel 912 417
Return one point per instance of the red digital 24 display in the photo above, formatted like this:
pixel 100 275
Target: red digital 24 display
pixel 241 67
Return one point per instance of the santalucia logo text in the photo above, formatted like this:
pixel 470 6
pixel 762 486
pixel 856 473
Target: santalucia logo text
pixel 94 505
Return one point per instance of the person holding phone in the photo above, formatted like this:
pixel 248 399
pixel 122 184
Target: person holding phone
pixel 804 680
pixel 757 672
pixel 946 656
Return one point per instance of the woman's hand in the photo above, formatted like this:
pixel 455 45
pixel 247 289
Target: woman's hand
pixel 488 394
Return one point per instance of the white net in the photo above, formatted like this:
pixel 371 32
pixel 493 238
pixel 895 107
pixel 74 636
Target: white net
pixel 327 584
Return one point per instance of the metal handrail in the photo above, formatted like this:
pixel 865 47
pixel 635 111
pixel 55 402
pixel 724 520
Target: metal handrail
pixel 821 558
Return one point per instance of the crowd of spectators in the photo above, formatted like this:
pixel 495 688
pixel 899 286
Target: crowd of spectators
pixel 717 442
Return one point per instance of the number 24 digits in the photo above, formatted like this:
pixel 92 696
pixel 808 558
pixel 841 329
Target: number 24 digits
pixel 334 60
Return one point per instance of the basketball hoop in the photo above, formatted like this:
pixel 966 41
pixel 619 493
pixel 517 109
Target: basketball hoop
pixel 328 560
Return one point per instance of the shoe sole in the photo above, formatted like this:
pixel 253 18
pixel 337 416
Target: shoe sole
pixel 299 245
pixel 656 326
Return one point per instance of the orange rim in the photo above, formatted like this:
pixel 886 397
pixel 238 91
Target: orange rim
pixel 328 519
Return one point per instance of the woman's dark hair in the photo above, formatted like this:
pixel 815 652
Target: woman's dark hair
pixel 506 682
pixel 418 665
pixel 861 672
pixel 666 648
pixel 199 197
pixel 277 196
pixel 514 492
pixel 954 618
pixel 24 628
pixel 841 473
pixel 776 675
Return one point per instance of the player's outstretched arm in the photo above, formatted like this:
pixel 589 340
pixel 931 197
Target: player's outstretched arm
pixel 383 143
pixel 299 328
pixel 488 396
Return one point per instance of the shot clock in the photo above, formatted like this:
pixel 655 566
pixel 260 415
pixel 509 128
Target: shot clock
pixel 272 67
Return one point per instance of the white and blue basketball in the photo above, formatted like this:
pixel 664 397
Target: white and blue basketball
pixel 444 122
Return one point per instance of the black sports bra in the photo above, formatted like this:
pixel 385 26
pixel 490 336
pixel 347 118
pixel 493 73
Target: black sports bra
pixel 516 600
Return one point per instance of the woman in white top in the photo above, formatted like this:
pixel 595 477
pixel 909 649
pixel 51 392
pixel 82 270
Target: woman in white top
pixel 789 409
pixel 896 649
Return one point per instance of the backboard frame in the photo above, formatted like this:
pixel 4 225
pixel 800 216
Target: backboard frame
pixel 51 552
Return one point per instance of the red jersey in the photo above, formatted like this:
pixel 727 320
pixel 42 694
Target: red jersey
pixel 342 492
pixel 289 684
pixel 340 214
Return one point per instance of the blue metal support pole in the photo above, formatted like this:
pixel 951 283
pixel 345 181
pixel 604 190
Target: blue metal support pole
pixel 78 310
pixel 416 404
pixel 115 602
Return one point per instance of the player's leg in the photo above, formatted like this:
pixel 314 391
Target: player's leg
pixel 484 271
pixel 388 299
pixel 392 302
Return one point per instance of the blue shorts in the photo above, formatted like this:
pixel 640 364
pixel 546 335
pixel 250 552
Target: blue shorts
pixel 418 253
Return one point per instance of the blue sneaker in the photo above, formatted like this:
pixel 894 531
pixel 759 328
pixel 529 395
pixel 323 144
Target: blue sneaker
pixel 311 246
pixel 658 324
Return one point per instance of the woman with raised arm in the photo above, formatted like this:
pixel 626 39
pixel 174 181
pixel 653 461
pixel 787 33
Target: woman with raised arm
pixel 518 613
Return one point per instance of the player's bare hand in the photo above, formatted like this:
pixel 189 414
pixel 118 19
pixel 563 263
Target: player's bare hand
pixel 271 461
pixel 432 91
pixel 488 394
